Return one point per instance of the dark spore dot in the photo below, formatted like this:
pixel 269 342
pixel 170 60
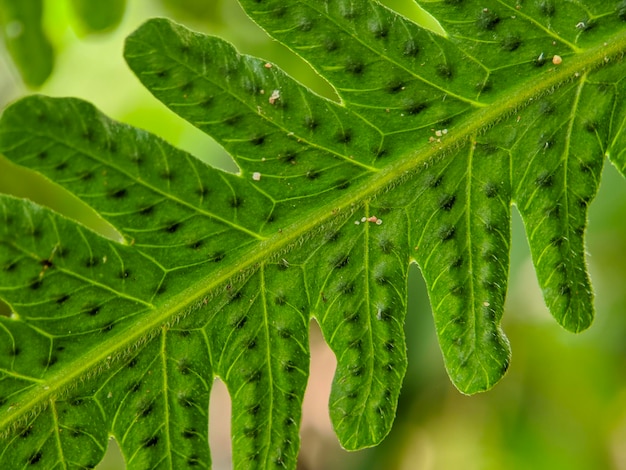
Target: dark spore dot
pixel 395 86
pixel 285 333
pixel 381 279
pixel 621 10
pixel 233 120
pixel 446 203
pixel 312 174
pixel 254 376
pixel 196 245
pixel 3 400
pixel 183 367
pixel 107 327
pixel 42 155
pixel 446 233
pixel 36 284
pixel 34 458
pixel 591 126
pixel 289 156
pixel 487 20
pixel 217 256
pixel 310 123
pixel 76 401
pixel 356 370
pixel 380 152
pixel 279 12
pixel 510 43
pixel 444 71
pixel 187 87
pixel 289 366
pixel 556 241
pixel 305 25
pixel 93 311
pixel 434 181
pixel 235 202
pixel 414 108
pixel 193 460
pixel 234 297
pixel 118 193
pixel 351 317
pixel 331 45
pixel 132 363
pixel 540 60
pixel 10 266
pixel 546 107
pixel 257 140
pixel 26 432
pixel 64 298
pixel 457 263
pixel 354 67
pixel 86 175
pixel 544 180
pixel 50 361
pixel 112 147
pixel 341 262
pixel 583 202
pixel 547 8
pixel 390 345
pixel 352 394
pixel 490 190
pixel 280 300
pixel 172 227
pixel 189 433
pixel 202 191
pixel 240 322
pixel 163 74
pixel 161 289
pixel 134 387
pixel 411 48
pixel 565 290
pixel 379 30
pixel 356 344
pixel 185 401
pixel 167 175
pixel 150 441
pixel 253 410
pixel 344 137
pixel 342 184
pixel 61 166
pixel 389 367
pixel 251 344
pixel 347 288
pixel 125 274
pixel 14 351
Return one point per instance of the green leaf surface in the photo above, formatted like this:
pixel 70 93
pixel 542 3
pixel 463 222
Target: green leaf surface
pixel 219 274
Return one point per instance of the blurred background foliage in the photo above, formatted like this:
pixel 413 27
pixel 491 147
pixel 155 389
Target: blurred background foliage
pixel 561 406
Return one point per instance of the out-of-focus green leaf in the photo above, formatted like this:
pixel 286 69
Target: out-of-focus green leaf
pixel 95 16
pixel 25 40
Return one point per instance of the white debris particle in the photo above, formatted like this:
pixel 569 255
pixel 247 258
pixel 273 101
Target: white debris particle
pixel 581 25
pixel 438 133
pixel 356 222
pixel 557 59
pixel 274 96
pixel 486 304
pixel 379 221
pixel 363 219
pixel 256 176
pixel 379 314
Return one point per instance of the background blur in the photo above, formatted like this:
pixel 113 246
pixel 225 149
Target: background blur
pixel 562 404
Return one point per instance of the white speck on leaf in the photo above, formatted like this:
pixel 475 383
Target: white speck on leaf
pixel 275 96
pixel 256 176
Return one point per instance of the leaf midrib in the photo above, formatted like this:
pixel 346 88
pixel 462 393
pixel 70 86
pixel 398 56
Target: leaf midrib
pixel 326 217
